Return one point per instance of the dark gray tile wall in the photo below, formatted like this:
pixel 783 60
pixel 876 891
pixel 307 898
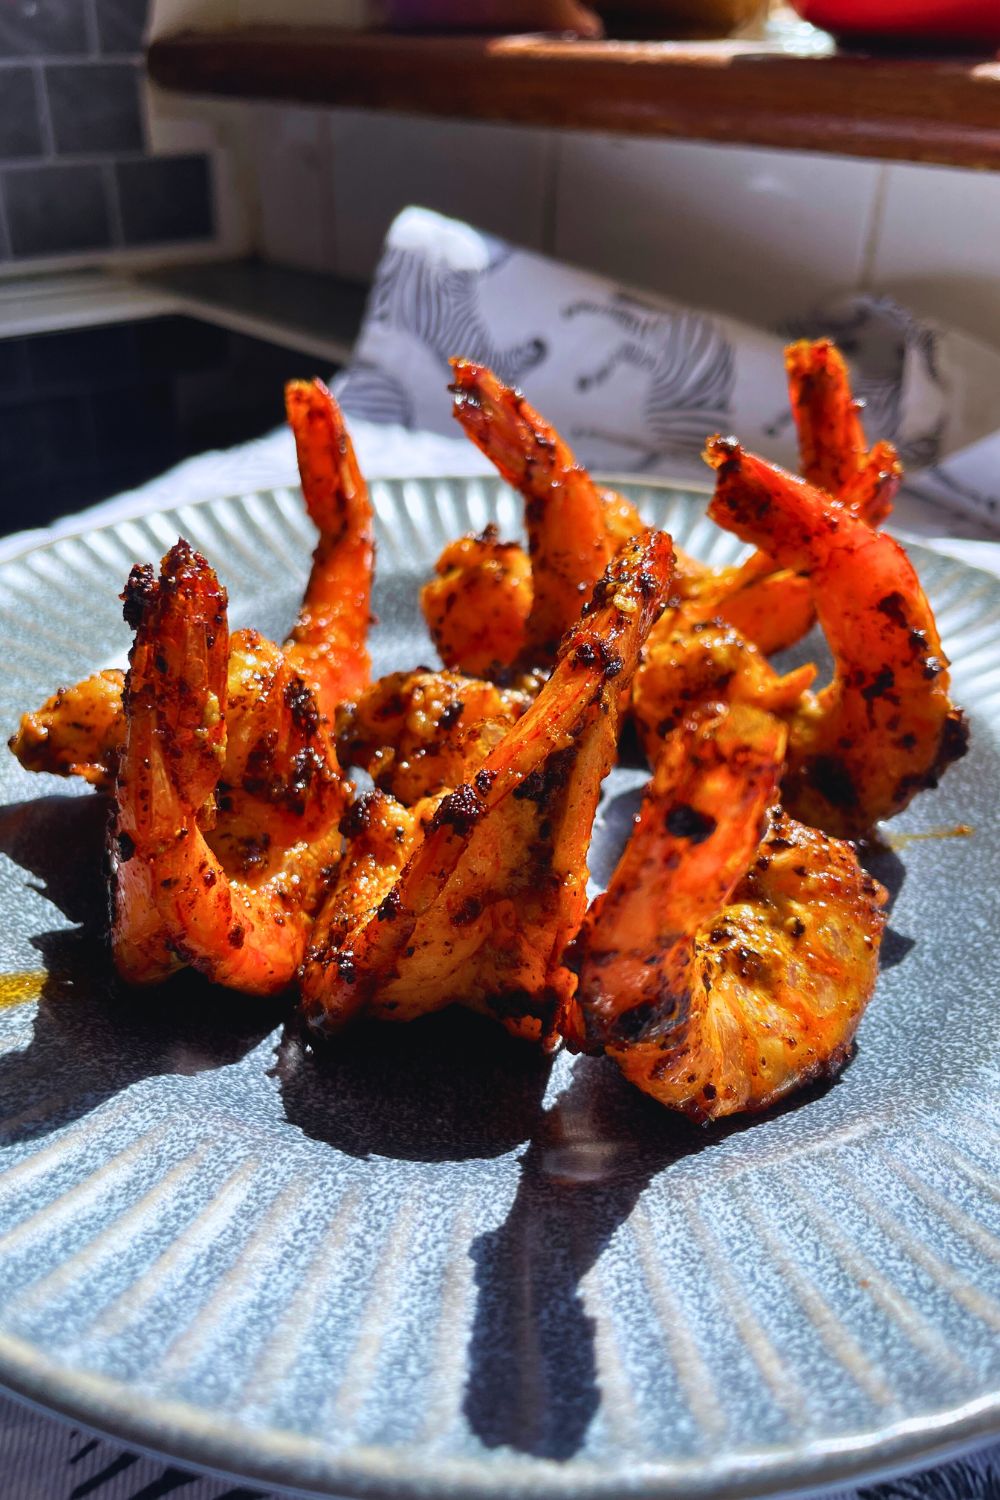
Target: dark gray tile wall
pixel 75 173
pixel 88 412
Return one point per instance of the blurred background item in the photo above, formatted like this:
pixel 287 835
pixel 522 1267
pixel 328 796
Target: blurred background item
pixel 948 21
pixel 564 16
pixel 679 18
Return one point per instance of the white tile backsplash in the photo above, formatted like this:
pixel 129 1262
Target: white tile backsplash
pixel 493 175
pixel 938 249
pixel 295 188
pixel 763 235
pixel 760 234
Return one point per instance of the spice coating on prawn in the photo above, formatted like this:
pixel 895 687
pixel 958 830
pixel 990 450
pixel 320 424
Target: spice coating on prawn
pixel 833 453
pixel 885 727
pixel 495 889
pixel 232 897
pixel 77 732
pixel 733 954
pixel 568 539
pixel 477 605
pixel 421 733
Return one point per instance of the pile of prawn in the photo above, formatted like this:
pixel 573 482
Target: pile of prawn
pixel 736 947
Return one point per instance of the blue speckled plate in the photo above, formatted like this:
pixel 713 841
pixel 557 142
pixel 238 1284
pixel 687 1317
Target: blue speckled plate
pixel 435 1263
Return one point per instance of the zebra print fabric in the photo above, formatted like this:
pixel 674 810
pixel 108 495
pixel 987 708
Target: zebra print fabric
pixel 636 384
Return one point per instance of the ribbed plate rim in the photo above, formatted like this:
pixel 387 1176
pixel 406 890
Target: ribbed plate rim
pixel 295 1464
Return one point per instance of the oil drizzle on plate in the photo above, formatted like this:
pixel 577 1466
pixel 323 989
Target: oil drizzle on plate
pixel 19 989
pixel 899 841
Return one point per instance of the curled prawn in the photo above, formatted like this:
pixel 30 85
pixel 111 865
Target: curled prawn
pixel 220 874
pixel 771 606
pixel 687 663
pixel 420 733
pixel 732 956
pixel 833 451
pixel 885 726
pixel 76 732
pixel 80 730
pixel 478 603
pixel 568 538
pixel 328 643
pixel 494 890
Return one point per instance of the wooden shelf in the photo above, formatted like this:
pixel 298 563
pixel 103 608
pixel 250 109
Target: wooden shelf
pixel 944 110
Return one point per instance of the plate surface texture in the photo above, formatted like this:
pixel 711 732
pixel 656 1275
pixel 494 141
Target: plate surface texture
pixel 434 1263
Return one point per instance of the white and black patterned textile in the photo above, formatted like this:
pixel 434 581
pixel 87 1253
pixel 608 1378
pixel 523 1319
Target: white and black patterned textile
pixel 636 383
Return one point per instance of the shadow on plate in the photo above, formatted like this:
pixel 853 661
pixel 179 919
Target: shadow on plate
pixel 92 1037
pixel 887 867
pixel 449 1087
pixel 533 1380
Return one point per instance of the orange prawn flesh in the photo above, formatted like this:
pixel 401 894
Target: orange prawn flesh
pixel 328 644
pixel 77 732
pixel 495 889
pixel 833 453
pixel 233 900
pixel 478 603
pixel 421 733
pixel 885 726
pixel 568 539
pixel 732 956
pixel 769 605
pixel 687 663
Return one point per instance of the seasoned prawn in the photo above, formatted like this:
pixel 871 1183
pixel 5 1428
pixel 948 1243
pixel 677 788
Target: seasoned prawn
pixel 733 954
pixel 515 609
pixel 478 603
pixel 769 605
pixel 328 643
pixel 689 663
pixel 76 732
pixel 568 539
pixel 885 727
pixel 833 452
pixel 420 733
pixel 79 730
pixel 495 889
pixel 379 834
pixel 234 901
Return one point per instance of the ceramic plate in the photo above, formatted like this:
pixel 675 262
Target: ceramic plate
pixel 435 1263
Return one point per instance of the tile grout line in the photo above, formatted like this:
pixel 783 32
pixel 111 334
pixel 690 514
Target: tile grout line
pixel 87 159
pixel 552 145
pixel 70 60
pixel 110 178
pixel 874 232
pixel 6 244
pixel 90 21
pixel 44 113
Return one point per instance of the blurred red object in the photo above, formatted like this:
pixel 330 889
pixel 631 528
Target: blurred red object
pixel 492 15
pixel 917 20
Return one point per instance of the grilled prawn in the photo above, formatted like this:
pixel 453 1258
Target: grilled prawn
pixel 79 730
pixel 219 850
pixel 885 727
pixel 496 887
pixel 734 951
pixel 421 733
pixel 833 454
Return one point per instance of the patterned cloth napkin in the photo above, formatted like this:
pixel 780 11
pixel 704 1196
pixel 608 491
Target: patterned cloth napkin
pixel 635 385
